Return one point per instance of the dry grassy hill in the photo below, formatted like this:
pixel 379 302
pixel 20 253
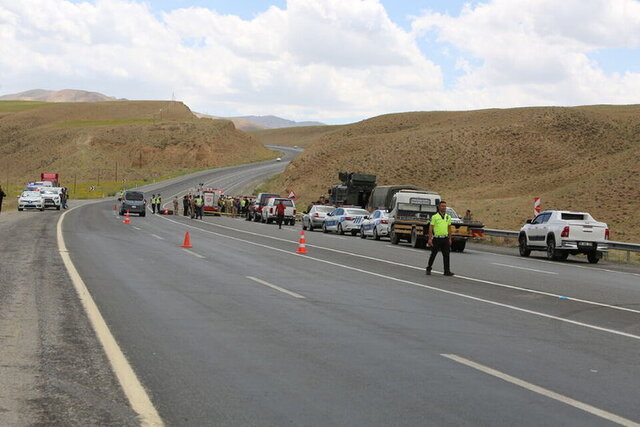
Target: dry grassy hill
pixel 302 136
pixel 493 161
pixel 145 138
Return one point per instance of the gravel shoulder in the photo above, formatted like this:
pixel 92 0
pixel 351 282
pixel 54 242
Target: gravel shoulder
pixel 53 370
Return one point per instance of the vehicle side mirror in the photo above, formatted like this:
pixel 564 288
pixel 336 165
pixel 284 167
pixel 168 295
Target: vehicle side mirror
pixel 366 217
pixel 528 221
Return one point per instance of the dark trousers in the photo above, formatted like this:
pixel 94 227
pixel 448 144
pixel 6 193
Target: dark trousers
pixel 198 212
pixel 440 245
pixel 1 203
pixel 279 220
pixel 185 208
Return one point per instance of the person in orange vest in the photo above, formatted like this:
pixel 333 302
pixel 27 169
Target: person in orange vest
pixel 280 213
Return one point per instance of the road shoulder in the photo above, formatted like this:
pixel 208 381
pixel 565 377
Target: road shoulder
pixel 53 370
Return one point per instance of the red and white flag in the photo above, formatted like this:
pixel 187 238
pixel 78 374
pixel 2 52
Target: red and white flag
pixel 536 205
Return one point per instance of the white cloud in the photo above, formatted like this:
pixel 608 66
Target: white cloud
pixel 321 59
pixel 536 52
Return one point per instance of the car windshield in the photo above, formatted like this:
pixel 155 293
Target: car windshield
pixel 325 209
pixel 134 196
pixel 356 212
pixel 453 214
pixel 31 194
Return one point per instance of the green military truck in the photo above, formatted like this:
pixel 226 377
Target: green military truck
pixel 354 189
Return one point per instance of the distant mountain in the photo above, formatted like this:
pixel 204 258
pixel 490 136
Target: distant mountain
pixel 66 95
pixel 273 122
pixel 239 123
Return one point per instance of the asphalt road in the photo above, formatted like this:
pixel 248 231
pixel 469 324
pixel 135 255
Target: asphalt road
pixel 241 330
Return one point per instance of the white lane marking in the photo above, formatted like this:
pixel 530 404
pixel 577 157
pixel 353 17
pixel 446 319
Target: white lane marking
pixel 523 268
pixel 544 392
pixel 420 285
pixel 157 237
pixel 193 253
pixel 401 247
pixel 556 263
pixel 137 228
pixel 136 394
pixel 277 288
pixel 421 268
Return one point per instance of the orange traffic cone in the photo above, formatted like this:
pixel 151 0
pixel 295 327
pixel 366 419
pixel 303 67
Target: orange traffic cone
pixel 126 218
pixel 302 247
pixel 187 241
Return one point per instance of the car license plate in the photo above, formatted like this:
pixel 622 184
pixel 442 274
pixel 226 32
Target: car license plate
pixel 585 244
pixel 134 206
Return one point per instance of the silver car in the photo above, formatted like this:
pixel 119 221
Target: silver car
pixel 315 217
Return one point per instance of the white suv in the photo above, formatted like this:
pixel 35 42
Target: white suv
pixel 269 210
pixel 561 233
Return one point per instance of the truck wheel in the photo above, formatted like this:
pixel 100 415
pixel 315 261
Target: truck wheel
pixel 563 255
pixel 256 218
pixel 340 230
pixel 522 246
pixel 354 232
pixel 416 241
pixel 552 253
pixel 593 257
pixel 394 237
pixel 459 245
pixel 304 227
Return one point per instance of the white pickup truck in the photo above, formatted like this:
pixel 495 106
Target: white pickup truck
pixel 561 233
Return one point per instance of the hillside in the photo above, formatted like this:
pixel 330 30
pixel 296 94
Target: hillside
pixel 146 139
pixel 65 95
pixel 300 136
pixel 493 161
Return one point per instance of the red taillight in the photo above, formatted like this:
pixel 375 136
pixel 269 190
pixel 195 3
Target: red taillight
pixel 316 215
pixel 294 211
pixel 606 234
pixel 270 210
pixel 349 218
pixel 384 221
pixel 565 232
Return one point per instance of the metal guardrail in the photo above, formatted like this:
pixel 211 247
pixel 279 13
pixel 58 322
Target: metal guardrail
pixel 620 246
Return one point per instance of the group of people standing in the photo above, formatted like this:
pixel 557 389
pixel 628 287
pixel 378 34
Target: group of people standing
pixel 192 205
pixel 156 201
pixel 233 205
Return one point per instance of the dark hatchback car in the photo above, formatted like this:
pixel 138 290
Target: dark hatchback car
pixel 134 202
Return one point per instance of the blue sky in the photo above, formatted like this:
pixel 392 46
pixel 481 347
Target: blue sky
pixel 335 61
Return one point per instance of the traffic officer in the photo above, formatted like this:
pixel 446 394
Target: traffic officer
pixel 440 237
pixel 153 203
pixel 199 203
